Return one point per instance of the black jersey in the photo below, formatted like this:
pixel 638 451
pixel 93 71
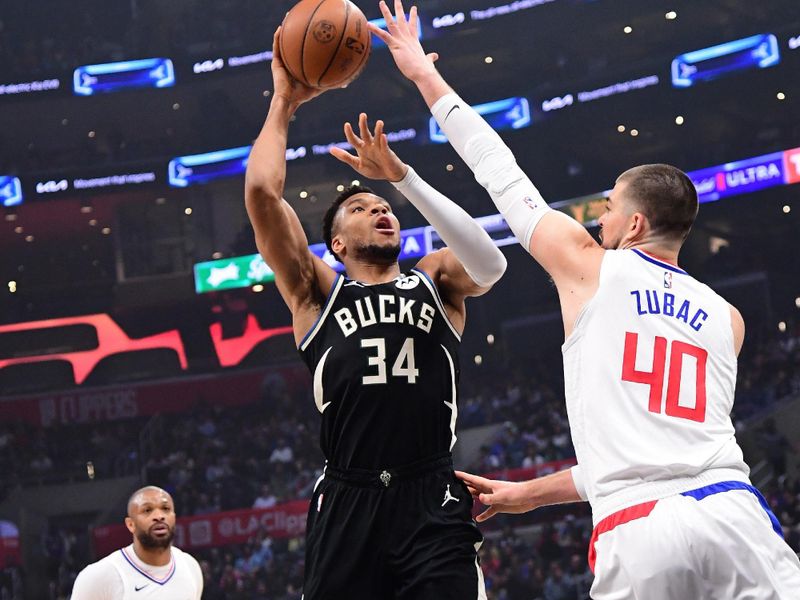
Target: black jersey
pixel 385 368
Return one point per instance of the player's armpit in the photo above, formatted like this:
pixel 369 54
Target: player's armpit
pixel 568 253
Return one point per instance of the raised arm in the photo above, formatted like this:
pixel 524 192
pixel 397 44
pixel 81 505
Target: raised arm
pixel 559 243
pixel 301 277
pixel 471 263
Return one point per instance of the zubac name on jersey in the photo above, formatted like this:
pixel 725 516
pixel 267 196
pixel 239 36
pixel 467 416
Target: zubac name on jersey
pixel 654 302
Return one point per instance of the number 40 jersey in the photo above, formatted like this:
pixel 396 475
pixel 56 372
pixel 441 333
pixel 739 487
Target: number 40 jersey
pixel 649 374
pixel 384 360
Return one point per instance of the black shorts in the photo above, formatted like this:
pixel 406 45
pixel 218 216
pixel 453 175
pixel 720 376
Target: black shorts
pixel 400 534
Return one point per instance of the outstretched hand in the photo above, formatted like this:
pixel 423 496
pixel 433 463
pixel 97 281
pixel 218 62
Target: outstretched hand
pixel 509 497
pixel 374 158
pixel 285 85
pixel 402 39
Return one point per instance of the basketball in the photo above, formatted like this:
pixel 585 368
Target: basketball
pixel 325 43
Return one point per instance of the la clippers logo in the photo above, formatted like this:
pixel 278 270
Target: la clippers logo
pixel 668 280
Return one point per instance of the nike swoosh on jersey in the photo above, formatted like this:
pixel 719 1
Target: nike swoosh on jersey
pixel 318 391
pixel 139 588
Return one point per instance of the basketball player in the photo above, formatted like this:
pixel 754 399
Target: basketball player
pixel 151 567
pixel 649 368
pixel 389 519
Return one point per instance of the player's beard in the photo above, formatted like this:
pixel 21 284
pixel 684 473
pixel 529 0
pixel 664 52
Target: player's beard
pixel 154 543
pixel 375 253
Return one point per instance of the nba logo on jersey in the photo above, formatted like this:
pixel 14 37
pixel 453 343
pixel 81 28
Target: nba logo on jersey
pixel 408 283
pixel 668 280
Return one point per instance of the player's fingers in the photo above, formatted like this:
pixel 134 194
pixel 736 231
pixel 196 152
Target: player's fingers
pixel 399 13
pixel 486 499
pixel 473 492
pixel 487 514
pixel 344 156
pixel 476 481
pixel 379 129
pixel 413 21
pixel 433 56
pixel 382 34
pixel 387 14
pixel 276 45
pixel 352 138
pixel 363 128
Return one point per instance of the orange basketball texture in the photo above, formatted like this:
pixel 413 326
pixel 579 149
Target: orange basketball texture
pixel 325 43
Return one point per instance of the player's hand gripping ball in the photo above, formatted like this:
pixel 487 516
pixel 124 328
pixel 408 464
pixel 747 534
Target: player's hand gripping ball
pixel 325 43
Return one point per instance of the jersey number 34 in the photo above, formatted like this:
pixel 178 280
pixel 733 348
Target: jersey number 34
pixel 404 365
pixel 655 378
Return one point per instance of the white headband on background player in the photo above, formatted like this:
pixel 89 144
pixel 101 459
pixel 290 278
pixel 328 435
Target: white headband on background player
pixel 471 245
pixel 493 164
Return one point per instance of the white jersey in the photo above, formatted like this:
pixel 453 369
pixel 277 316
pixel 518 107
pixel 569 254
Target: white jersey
pixel 650 373
pixel 122 576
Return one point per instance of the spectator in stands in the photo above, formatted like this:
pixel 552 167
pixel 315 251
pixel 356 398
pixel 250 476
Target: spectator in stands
pixel 267 499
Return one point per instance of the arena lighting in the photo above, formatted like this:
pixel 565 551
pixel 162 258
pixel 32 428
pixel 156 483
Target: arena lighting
pixel 679 120
pixel 712 183
pixel 110 340
pixel 780 96
pixel 201 168
pixel 233 350
pixel 10 190
pixel 628 29
pixel 757 51
pixel 28 87
pixel 113 77
pixel 671 15
pixel 505 9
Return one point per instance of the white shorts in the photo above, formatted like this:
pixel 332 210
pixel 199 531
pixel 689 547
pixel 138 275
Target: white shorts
pixel 717 544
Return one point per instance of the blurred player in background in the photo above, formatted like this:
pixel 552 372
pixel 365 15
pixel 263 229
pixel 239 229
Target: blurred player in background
pixel 151 567
pixel 650 362
pixel 389 518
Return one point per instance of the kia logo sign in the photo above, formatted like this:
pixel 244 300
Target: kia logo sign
pixel 49 187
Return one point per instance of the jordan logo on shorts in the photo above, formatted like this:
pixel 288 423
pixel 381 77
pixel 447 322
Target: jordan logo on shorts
pixel 448 496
